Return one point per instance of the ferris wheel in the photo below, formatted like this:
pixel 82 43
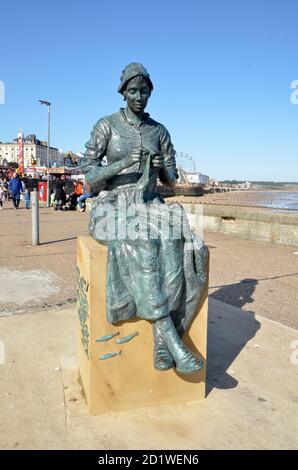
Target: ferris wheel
pixel 185 161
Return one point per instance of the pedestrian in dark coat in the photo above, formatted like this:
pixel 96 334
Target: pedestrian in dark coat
pixel 16 188
pixel 60 194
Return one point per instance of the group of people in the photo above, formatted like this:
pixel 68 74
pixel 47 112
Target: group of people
pixel 12 189
pixel 61 201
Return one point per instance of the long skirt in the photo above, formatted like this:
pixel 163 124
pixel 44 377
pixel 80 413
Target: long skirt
pixel 156 265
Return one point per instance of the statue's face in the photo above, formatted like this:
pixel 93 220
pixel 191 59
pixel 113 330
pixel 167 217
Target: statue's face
pixel 137 94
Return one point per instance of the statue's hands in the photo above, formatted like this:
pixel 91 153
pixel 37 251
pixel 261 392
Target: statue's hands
pixel 158 161
pixel 133 157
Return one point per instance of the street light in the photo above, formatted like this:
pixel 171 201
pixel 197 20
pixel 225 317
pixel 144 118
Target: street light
pixel 48 104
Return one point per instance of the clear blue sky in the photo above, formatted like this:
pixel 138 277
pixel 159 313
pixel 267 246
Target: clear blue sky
pixel 221 69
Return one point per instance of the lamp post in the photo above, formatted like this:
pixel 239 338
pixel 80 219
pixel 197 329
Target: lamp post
pixel 48 104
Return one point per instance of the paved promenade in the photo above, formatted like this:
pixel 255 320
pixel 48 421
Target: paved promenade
pixel 254 276
pixel 252 362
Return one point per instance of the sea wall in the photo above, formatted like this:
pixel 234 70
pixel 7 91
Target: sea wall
pixel 250 223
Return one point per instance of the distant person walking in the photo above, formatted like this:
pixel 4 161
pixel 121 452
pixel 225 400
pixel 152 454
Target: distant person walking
pixel 27 198
pixel 2 196
pixel 52 198
pixel 15 187
pixel 27 195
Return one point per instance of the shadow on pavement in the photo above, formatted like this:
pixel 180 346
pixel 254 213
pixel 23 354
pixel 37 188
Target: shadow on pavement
pixel 58 241
pixel 238 294
pixel 229 330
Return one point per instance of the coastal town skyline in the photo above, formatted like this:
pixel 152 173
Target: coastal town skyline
pixel 225 81
pixel 57 156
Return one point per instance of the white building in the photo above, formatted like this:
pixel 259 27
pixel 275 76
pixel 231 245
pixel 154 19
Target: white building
pixel 193 177
pixel 35 152
pixel 204 179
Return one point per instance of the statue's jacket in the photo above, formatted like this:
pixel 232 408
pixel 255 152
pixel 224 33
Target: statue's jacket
pixel 156 265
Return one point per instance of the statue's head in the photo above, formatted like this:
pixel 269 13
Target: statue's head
pixel 131 71
pixel 135 86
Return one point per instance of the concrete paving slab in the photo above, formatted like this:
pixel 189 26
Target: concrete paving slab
pixel 251 403
pixel 27 286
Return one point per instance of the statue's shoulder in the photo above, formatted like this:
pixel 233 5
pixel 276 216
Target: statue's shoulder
pixel 162 129
pixel 103 121
pixel 107 122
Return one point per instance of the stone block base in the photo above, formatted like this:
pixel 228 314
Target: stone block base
pixel 128 380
